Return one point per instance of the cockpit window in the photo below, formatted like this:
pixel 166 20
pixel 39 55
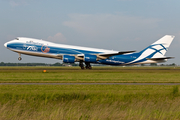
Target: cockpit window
pixel 17 38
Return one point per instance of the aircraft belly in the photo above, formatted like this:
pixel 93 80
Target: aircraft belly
pixel 110 62
pixel 37 54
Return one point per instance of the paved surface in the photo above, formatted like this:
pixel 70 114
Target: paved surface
pixel 89 83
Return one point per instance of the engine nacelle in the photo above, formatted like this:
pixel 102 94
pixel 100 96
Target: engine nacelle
pixel 90 58
pixel 68 59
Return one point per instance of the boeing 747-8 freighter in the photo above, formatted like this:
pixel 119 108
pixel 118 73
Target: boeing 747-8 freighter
pixel 154 53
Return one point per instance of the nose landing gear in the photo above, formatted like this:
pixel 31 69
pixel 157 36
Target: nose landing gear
pixel 19 58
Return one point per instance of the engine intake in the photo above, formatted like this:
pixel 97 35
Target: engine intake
pixel 90 58
pixel 68 59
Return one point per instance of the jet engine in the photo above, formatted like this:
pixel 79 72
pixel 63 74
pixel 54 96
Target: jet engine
pixel 90 58
pixel 68 59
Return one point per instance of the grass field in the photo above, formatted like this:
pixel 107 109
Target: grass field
pixel 98 74
pixel 89 102
pixel 92 102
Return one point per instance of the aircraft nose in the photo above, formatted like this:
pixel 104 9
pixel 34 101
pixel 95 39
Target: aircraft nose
pixel 5 45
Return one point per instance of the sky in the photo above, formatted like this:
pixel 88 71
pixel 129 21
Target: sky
pixel 120 25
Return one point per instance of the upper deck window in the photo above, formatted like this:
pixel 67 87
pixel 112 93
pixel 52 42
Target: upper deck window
pixel 17 38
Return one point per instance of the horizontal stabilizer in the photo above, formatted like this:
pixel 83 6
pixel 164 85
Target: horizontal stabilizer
pixel 160 58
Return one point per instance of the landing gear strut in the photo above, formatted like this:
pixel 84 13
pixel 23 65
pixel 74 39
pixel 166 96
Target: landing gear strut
pixel 81 64
pixel 88 66
pixel 19 58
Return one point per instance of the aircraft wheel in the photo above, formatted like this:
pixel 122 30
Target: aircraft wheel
pixel 88 67
pixel 19 58
pixel 81 64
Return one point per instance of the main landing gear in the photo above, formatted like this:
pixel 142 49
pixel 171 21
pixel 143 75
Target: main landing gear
pixel 19 58
pixel 81 64
pixel 88 66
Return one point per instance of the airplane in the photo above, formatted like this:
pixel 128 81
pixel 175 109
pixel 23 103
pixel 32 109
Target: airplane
pixel 70 54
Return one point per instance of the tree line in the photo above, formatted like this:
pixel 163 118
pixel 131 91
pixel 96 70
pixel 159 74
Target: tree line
pixel 65 64
pixel 36 64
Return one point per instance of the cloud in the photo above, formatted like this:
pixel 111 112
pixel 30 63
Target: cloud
pixel 15 3
pixel 108 25
pixel 59 37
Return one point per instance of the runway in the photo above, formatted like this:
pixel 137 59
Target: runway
pixel 89 83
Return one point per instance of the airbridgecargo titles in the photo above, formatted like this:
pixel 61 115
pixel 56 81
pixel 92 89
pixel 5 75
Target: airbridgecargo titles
pixel 155 53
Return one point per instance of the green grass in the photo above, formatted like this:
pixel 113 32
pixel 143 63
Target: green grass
pixel 92 102
pixel 98 74
pixel 89 102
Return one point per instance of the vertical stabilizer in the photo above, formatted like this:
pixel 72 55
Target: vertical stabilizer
pixel 158 48
pixel 155 51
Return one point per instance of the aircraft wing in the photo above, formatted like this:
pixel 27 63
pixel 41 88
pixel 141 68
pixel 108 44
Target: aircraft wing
pixel 112 54
pixel 107 55
pixel 99 56
pixel 60 56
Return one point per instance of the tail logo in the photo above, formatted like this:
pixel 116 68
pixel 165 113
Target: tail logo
pixel 45 49
pixel 157 48
pixel 153 50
